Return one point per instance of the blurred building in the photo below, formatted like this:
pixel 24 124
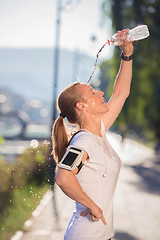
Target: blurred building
pixel 9 101
pixel 21 118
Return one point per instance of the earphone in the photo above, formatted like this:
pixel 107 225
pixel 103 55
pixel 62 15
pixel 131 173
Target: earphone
pixel 85 104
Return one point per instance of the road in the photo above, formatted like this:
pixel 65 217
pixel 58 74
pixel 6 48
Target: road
pixel 137 200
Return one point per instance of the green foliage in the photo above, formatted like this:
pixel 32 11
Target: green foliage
pixel 5 184
pixel 20 207
pixel 32 165
pixel 22 185
pixel 141 110
pixel 1 140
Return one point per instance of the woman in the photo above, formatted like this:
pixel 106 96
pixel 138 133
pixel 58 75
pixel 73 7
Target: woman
pixel 94 185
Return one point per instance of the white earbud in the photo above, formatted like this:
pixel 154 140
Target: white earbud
pixel 85 104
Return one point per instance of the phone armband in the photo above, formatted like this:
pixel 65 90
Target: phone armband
pixel 72 158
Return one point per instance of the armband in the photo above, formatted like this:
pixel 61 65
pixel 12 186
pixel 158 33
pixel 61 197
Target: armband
pixel 72 158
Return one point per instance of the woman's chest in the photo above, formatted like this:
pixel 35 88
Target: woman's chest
pixel 103 159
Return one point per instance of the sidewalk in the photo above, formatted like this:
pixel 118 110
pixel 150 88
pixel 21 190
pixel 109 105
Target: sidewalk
pixel 137 200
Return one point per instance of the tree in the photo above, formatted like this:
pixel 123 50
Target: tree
pixel 141 110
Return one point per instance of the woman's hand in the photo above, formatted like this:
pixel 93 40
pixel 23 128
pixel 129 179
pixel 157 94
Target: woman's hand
pixel 95 214
pixel 69 184
pixel 126 47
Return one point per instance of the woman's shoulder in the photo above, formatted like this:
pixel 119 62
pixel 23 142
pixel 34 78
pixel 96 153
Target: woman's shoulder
pixel 84 136
pixel 85 140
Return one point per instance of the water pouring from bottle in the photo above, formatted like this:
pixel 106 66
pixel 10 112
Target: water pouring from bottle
pixel 138 33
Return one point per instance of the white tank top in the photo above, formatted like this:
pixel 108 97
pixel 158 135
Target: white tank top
pixel 98 178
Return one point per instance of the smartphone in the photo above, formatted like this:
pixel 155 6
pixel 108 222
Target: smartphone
pixel 72 158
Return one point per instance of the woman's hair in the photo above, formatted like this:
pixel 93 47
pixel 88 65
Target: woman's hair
pixel 67 106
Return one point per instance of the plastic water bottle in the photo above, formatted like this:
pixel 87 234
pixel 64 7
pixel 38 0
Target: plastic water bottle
pixel 135 34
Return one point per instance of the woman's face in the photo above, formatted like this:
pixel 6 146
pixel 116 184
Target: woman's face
pixel 93 99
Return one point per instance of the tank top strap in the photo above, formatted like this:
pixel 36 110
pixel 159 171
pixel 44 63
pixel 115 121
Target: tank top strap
pixel 81 130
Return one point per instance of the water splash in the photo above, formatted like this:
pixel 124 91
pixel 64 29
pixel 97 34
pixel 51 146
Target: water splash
pixel 97 56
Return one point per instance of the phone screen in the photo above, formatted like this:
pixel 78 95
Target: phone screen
pixel 70 158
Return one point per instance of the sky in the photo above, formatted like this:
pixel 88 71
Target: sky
pixel 32 24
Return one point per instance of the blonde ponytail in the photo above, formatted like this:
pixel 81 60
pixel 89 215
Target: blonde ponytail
pixel 67 106
pixel 59 139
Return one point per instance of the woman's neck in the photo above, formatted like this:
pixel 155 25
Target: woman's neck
pixel 92 125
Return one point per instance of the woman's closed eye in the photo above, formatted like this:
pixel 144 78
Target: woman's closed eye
pixel 94 92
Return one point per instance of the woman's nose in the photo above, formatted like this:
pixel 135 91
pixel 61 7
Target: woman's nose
pixel 101 93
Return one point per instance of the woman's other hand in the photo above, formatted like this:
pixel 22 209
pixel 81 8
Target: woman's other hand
pixel 95 214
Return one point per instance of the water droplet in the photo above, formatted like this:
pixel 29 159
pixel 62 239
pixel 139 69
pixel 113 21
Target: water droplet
pixel 34 143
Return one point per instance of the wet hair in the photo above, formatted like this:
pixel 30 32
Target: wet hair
pixel 67 106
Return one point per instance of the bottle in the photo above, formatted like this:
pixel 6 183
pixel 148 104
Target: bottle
pixel 137 33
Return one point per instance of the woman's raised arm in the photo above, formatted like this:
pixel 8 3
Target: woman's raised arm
pixel 122 85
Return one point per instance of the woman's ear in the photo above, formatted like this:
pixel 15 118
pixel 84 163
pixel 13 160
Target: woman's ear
pixel 81 106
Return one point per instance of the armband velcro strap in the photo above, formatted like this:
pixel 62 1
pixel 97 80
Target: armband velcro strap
pixel 79 167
